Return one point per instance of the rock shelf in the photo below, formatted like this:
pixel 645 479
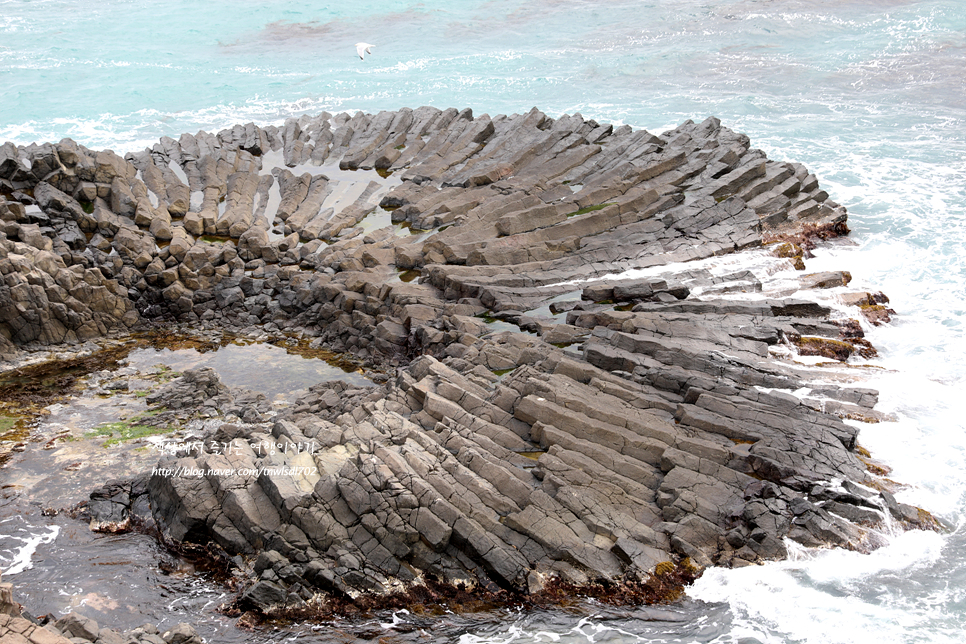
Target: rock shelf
pixel 621 423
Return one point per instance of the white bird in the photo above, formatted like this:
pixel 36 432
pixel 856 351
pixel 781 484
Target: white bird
pixel 363 48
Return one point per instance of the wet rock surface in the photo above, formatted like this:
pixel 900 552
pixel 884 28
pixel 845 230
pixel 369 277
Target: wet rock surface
pixel 20 627
pixel 620 424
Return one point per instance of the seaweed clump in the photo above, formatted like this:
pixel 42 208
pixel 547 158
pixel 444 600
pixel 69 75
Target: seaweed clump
pixel 792 251
pixel 42 384
pixel 803 239
pixel 851 332
pixel 877 314
pixel 433 597
pixel 666 584
pixel 824 347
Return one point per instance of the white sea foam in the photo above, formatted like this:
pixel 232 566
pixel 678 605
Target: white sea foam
pixel 397 619
pixel 832 596
pixel 841 596
pixel 23 557
pixel 585 630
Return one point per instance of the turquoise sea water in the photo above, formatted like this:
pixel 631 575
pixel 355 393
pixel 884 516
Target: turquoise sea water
pixel 869 94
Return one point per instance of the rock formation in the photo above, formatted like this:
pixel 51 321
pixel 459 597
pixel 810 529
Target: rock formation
pixel 619 424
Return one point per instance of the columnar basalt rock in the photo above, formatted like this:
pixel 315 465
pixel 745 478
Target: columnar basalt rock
pixel 659 428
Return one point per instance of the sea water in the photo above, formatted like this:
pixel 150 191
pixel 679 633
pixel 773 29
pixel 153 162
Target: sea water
pixel 869 94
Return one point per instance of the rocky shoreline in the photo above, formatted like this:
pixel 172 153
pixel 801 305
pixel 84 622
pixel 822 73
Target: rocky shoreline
pixel 618 426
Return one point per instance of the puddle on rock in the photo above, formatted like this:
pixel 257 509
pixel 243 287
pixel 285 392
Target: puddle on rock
pixel 499 326
pixel 405 276
pixel 495 326
pixel 46 404
pixel 409 276
pixel 544 309
pixel 265 368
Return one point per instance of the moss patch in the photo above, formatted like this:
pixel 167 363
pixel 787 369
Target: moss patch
pixel 15 423
pixel 825 347
pixel 126 430
pixel 584 211
pixel 215 239
pixel 851 332
pixel 7 423
pixel 165 375
pixel 564 345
